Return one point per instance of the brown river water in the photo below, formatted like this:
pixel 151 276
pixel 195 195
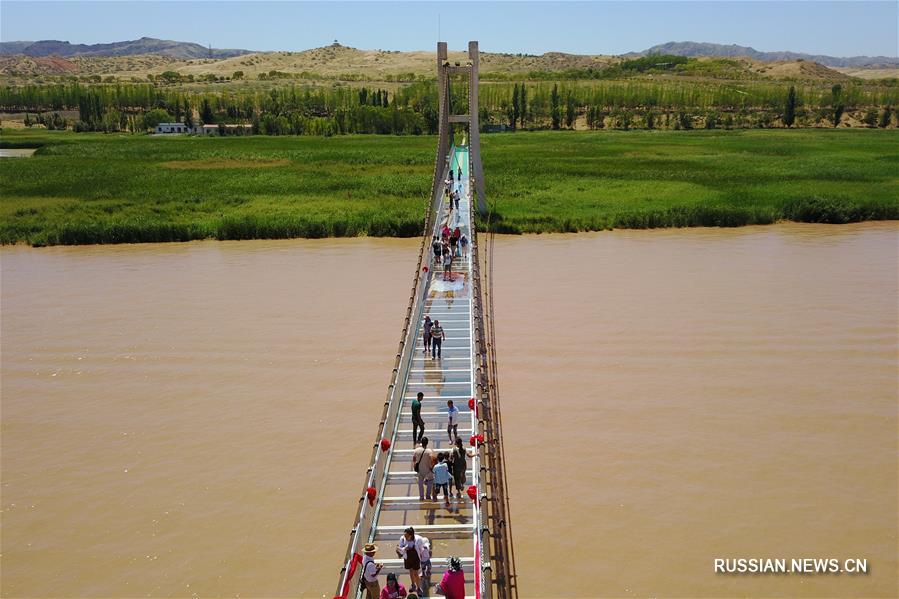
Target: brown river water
pixel 194 419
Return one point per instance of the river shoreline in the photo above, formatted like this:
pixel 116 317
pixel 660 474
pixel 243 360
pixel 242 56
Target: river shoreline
pixel 836 227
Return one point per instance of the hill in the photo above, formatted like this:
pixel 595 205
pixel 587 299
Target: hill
pixel 696 49
pixel 337 60
pixel 145 45
pixel 341 62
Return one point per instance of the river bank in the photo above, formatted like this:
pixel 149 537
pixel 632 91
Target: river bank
pixel 97 189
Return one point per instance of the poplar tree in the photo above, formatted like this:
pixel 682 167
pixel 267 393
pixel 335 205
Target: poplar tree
pixel 554 107
pixel 516 107
pixel 836 94
pixel 790 108
pixel 206 116
pixel 570 112
pixel 523 104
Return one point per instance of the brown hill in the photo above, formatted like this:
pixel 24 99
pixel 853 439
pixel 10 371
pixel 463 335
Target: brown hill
pixel 337 61
pixel 35 66
pixel 798 69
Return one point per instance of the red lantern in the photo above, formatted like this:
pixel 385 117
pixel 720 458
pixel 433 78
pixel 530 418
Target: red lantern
pixel 473 493
pixel 371 493
pixel 385 445
pixel 471 403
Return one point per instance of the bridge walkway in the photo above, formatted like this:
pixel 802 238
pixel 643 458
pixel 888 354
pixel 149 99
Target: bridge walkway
pixel 453 530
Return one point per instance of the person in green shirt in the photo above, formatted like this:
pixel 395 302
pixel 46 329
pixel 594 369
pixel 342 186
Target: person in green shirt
pixel 418 424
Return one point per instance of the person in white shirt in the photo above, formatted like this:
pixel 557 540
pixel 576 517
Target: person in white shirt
pixel 370 571
pixel 416 553
pixel 452 421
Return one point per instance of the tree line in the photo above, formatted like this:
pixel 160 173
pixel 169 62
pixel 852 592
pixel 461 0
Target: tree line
pixel 412 109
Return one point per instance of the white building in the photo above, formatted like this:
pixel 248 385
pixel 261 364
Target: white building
pixel 181 128
pixel 172 128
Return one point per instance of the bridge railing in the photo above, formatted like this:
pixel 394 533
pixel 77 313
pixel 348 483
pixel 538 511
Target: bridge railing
pixel 375 476
pixel 484 570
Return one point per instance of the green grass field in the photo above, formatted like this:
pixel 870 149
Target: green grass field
pixel 95 188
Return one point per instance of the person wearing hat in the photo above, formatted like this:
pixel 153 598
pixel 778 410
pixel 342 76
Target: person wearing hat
pixel 370 570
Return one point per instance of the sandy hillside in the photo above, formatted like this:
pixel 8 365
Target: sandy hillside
pixel 797 69
pixel 337 60
pixel 869 73
pixel 330 61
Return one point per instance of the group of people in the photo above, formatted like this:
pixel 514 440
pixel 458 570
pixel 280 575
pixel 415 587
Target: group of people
pixel 433 335
pixel 438 470
pixel 415 551
pixel 450 193
pixel 452 197
pixel 451 244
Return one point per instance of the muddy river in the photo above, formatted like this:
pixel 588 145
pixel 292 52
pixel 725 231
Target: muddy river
pixel 194 419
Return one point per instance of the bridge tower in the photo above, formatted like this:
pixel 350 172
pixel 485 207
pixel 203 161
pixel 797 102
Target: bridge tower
pixel 445 69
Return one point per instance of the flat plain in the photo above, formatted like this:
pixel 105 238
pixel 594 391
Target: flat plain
pixel 108 188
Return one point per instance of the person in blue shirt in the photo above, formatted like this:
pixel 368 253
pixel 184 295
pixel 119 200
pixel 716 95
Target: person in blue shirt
pixel 442 478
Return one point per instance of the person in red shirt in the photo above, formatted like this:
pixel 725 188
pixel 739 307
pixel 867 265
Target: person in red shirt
pixel 453 584
pixel 393 590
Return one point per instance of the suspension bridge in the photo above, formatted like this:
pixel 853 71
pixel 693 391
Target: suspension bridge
pixel 475 528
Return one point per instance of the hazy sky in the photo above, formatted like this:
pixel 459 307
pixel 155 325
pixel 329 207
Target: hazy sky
pixel 835 28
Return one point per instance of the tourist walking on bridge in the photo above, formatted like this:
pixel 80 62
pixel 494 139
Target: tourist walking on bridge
pixel 460 466
pixel 370 571
pixel 410 548
pixel 454 244
pixel 423 465
pixel 437 337
pixel 442 478
pixel 437 249
pixel 426 333
pixel 418 423
pixel 452 424
pixel 448 265
pixel 452 586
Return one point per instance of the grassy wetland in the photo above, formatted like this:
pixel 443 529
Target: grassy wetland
pixel 103 188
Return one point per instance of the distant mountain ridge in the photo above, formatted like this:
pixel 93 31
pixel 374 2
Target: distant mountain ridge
pixel 145 45
pixel 695 49
pixel 190 51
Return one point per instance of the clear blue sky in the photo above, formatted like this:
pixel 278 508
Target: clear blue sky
pixel 834 28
